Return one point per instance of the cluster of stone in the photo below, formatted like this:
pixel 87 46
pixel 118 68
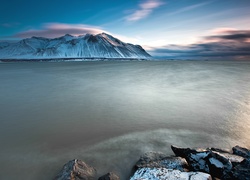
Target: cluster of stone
pixel 187 164
pixel 202 164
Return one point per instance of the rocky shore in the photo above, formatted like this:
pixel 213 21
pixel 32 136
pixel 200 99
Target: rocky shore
pixel 187 164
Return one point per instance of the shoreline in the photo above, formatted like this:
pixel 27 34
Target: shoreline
pixel 71 59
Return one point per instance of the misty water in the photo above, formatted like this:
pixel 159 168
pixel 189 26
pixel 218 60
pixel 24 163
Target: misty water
pixel 109 113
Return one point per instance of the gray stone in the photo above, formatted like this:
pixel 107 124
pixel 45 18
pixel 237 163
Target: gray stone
pixel 158 160
pixel 168 174
pixel 109 176
pixel 76 170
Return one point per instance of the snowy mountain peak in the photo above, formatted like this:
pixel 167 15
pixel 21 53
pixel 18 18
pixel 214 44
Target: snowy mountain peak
pixel 100 46
pixel 68 35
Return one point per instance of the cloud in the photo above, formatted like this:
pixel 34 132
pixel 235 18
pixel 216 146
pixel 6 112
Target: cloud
pixel 234 35
pixel 52 30
pixel 145 8
pixel 229 44
pixel 10 25
pixel 189 8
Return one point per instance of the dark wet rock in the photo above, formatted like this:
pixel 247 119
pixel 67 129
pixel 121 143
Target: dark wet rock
pixel 163 174
pixel 244 152
pixel 158 160
pixel 239 172
pixel 195 159
pixel 198 161
pixel 182 152
pixel 218 164
pixel 109 176
pixel 76 170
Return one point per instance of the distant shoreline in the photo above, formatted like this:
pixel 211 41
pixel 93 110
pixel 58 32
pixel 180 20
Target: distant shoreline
pixel 72 59
pixel 93 59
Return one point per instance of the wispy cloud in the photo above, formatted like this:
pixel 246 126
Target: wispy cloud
pixel 190 8
pixel 52 30
pixel 10 25
pixel 226 44
pixel 145 8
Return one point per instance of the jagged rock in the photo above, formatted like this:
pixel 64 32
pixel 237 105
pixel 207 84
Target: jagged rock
pixel 158 160
pixel 182 152
pixel 241 171
pixel 109 176
pixel 218 164
pixel 76 170
pixel 204 160
pixel 234 159
pixel 241 151
pixel 165 174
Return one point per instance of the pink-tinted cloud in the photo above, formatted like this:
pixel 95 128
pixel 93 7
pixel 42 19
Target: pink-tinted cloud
pixel 52 30
pixel 222 30
pixel 145 8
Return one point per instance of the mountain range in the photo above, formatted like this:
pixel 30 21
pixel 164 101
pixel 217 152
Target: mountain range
pixel 86 46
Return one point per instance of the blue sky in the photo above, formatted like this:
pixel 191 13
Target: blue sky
pixel 154 24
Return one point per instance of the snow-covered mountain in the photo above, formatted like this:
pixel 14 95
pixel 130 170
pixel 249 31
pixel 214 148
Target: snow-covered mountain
pixel 97 46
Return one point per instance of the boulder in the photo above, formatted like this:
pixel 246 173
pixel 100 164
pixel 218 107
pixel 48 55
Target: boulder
pixel 239 172
pixel 218 164
pixel 109 176
pixel 158 160
pixel 76 170
pixel 243 152
pixel 182 152
pixel 233 158
pixel 165 174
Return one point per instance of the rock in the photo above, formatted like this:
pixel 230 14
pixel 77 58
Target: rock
pixel 196 160
pixel 241 171
pixel 243 152
pixel 109 176
pixel 164 174
pixel 76 170
pixel 182 152
pixel 218 164
pixel 158 160
pixel 207 161
pixel 234 159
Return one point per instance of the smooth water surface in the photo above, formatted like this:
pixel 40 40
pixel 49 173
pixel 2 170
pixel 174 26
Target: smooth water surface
pixel 109 113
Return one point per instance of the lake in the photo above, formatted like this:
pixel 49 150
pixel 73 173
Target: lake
pixel 109 113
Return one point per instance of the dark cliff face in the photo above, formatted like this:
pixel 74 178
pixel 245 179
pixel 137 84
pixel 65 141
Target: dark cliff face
pixel 101 46
pixel 92 39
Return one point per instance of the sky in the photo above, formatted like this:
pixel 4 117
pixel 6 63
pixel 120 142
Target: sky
pixel 165 28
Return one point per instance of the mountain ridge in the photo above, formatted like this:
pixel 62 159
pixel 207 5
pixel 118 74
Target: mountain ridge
pixel 100 45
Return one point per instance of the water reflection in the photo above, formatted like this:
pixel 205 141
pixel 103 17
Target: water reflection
pixel 241 122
